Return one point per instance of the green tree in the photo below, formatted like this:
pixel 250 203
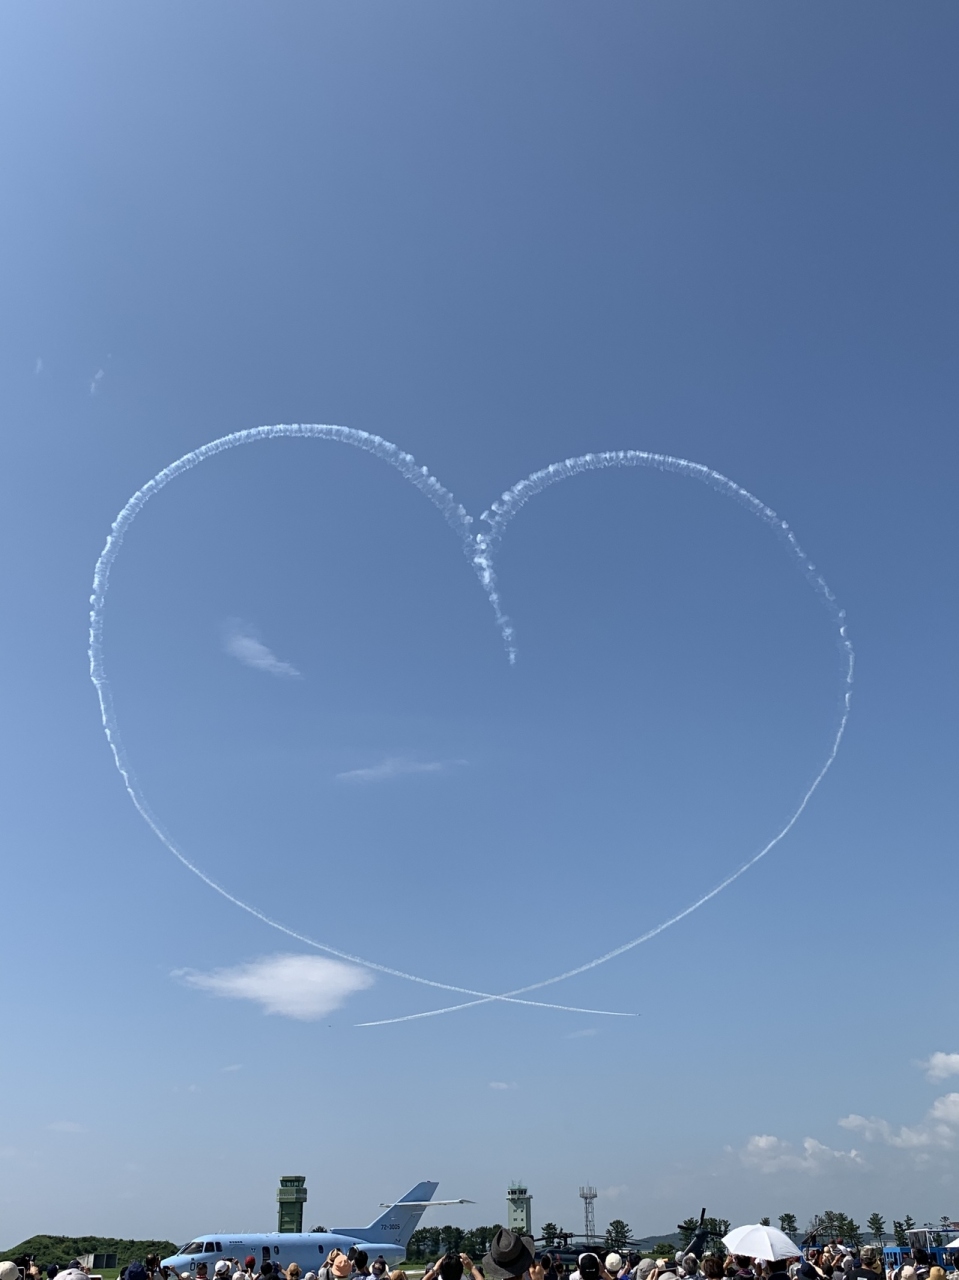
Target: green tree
pixel 663 1249
pixel 717 1228
pixel 909 1222
pixel 617 1235
pixel 787 1224
pixel 877 1225
pixel 550 1232
pixel 764 1222
pixel 899 1234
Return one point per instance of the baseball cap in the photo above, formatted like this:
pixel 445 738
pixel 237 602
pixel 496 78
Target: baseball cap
pixel 614 1262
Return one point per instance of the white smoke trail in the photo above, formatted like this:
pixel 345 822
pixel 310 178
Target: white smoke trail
pixel 479 548
pixel 455 515
pixel 506 508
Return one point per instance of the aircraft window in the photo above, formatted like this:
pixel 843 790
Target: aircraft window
pixel 195 1246
pixel 219 1247
pixel 266 1253
pixel 276 1248
pixel 209 1247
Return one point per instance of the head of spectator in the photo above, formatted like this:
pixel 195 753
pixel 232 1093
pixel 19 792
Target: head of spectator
pixel 361 1261
pixel 9 1271
pixel 137 1271
pixel 614 1263
pixel 378 1266
pixel 744 1263
pixel 712 1267
pixel 341 1266
pixel 588 1266
pixel 293 1271
pixel 222 1268
pixel 266 1268
pixel 52 1270
pixel 201 1270
pixel 310 1275
pixel 937 1273
pixel 399 1275
pixel 510 1255
pixel 690 1264
pixel 451 1266
pixel 185 1275
pixel 644 1267
pixel 848 1264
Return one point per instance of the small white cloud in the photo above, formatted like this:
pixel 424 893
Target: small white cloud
pixel 243 645
pixel 97 378
pixel 234 1066
pixel 303 987
pixel 502 1084
pixel 939 1128
pixel 66 1126
pixel 581 1034
pixel 769 1154
pixel 941 1065
pixel 396 767
pixel 38 367
pixel 613 1193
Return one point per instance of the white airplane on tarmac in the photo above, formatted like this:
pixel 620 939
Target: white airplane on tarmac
pixel 387 1236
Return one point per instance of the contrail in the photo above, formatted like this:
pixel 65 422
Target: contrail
pixel 480 548
pixel 455 515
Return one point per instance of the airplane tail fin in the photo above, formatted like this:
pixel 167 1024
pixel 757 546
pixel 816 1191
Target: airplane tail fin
pixel 400 1220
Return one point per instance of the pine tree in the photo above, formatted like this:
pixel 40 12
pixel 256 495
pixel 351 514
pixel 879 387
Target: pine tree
pixel 877 1225
pixel 550 1232
pixel 788 1224
pixel 617 1235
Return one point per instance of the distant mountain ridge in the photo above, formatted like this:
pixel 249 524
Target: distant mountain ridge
pixel 63 1249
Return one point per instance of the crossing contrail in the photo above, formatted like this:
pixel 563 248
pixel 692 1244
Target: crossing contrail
pixel 480 548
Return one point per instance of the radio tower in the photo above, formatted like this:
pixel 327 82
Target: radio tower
pixel 588 1195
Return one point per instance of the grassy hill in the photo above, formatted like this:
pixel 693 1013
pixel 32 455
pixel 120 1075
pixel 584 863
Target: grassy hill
pixel 63 1249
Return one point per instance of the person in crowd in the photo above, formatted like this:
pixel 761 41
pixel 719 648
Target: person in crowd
pixel 266 1270
pixel 379 1268
pixel 510 1256
pixel 712 1267
pixel 613 1265
pixel 222 1269
pixel 249 1266
pixel 293 1271
pixel 690 1264
pixel 9 1271
pixel 201 1271
pixel 869 1266
pixel 399 1274
pixel 643 1269
pixel 744 1268
pixel 361 1263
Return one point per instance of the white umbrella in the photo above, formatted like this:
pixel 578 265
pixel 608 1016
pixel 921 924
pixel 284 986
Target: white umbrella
pixel 757 1241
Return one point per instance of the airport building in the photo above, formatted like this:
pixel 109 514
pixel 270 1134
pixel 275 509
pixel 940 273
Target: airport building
pixel 290 1199
pixel 519 1211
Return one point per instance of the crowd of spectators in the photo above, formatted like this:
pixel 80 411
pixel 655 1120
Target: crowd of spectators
pixel 513 1257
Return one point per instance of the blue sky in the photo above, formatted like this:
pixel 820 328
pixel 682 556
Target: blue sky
pixel 497 235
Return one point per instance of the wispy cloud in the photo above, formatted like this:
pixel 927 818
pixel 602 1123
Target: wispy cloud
pixel 303 987
pixel 234 1066
pixel 38 367
pixel 242 644
pixel 95 382
pixel 503 1084
pixel 769 1154
pixel 613 1193
pixel 581 1034
pixel 396 767
pixel 939 1127
pixel 941 1065
pixel 66 1126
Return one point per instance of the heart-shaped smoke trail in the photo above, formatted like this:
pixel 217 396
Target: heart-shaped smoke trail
pixel 480 548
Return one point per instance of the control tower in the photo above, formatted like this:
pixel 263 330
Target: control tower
pixel 290 1199
pixel 519 1210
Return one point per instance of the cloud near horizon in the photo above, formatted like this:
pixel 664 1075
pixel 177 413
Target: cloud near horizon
pixel 243 645
pixel 396 767
pixel 294 986
pixel 939 1127
pixel 770 1154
